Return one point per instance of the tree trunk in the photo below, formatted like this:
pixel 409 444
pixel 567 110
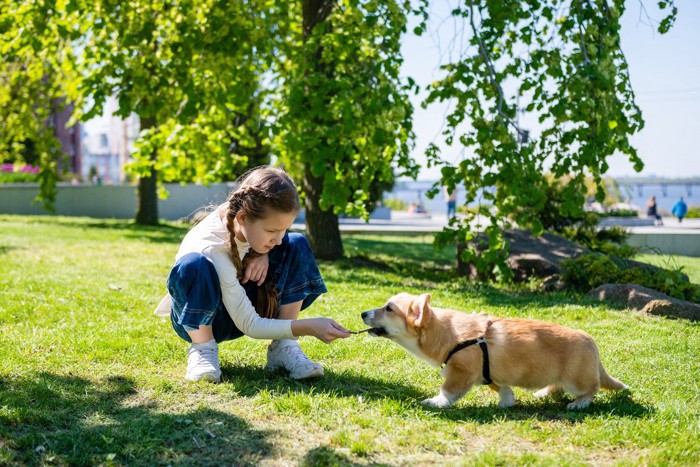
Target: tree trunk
pixel 321 226
pixel 147 191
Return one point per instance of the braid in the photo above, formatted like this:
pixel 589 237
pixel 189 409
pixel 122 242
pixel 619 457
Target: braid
pixel 233 208
pixel 261 188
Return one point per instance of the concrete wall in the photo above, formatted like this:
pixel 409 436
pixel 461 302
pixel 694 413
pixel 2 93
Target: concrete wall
pixel 626 221
pixel 685 244
pixel 117 202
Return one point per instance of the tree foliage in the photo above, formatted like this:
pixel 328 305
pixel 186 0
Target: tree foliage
pixel 37 77
pixel 190 69
pixel 560 63
pixel 344 117
pixel 208 78
pixel 212 81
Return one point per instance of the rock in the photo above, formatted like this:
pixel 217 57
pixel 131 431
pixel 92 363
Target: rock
pixel 529 256
pixel 645 300
pixel 632 296
pixel 674 309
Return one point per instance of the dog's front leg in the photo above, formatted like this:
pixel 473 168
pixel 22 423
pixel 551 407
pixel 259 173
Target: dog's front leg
pixel 455 386
pixel 506 398
pixel 444 399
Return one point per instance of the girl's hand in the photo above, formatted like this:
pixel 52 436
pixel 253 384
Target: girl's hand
pixel 324 329
pixel 256 270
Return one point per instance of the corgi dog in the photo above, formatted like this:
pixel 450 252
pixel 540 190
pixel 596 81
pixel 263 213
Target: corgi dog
pixel 478 349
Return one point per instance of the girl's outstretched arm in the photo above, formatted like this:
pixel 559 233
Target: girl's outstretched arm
pixel 324 329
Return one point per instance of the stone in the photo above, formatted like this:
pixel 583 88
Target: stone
pixel 529 256
pixel 646 301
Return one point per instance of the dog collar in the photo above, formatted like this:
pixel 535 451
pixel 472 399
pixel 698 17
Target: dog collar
pixel 484 350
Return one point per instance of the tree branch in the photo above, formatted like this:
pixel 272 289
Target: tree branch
pixel 489 65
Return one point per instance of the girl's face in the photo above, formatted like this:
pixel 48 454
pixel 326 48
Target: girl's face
pixel 264 234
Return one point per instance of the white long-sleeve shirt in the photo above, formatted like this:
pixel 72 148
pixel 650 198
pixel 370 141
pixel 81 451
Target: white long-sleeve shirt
pixel 210 238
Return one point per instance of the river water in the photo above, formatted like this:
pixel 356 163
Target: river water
pixel 638 195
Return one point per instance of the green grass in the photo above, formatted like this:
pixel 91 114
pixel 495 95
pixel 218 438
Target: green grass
pixel 88 375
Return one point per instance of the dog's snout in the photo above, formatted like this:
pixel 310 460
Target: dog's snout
pixel 364 314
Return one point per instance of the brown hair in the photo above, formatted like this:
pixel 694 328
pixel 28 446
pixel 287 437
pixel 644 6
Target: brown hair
pixel 261 190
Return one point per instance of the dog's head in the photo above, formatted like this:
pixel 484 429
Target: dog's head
pixel 401 317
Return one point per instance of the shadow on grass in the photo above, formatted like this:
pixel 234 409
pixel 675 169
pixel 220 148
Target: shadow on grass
pixel 249 381
pixel 324 456
pixel 361 266
pixel 604 405
pixel 404 276
pixel 420 266
pixel 5 249
pixel 46 418
pixel 416 252
pixel 164 233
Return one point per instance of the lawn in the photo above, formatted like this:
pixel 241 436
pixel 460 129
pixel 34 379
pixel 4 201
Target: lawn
pixel 88 375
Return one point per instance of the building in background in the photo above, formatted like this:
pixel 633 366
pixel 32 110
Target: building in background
pixel 69 137
pixel 107 142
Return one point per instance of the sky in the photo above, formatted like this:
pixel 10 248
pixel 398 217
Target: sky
pixel 665 75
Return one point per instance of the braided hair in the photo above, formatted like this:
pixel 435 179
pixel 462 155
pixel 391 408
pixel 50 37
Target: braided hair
pixel 261 190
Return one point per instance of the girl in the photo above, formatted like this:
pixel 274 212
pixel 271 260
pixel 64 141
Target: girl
pixel 238 272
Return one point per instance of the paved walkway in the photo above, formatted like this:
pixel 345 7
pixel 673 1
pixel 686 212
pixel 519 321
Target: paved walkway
pixel 400 222
pixel 669 238
pixel 403 222
pixel 671 226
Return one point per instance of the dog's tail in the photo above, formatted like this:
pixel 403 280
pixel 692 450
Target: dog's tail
pixel 608 382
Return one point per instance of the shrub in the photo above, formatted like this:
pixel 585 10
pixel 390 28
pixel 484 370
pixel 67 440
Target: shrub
pixel 395 204
pixel 589 271
pixel 623 213
pixel 693 212
pixel 18 173
pixel 594 269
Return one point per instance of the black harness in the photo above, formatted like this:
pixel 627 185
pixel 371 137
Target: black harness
pixel 484 350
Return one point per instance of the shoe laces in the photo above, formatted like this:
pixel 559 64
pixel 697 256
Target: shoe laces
pixel 206 356
pixel 297 355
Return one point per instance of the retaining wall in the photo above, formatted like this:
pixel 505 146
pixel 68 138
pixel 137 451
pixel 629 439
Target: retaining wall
pixel 676 243
pixel 111 202
pixel 119 201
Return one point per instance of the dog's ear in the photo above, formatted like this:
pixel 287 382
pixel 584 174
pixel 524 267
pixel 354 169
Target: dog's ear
pixel 418 314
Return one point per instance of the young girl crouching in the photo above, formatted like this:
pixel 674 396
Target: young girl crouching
pixel 238 272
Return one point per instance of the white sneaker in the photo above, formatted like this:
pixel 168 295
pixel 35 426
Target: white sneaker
pixel 286 353
pixel 203 362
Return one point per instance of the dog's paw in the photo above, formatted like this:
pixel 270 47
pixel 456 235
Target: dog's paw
pixel 506 403
pixel 506 398
pixel 439 402
pixel 580 403
pixel 547 391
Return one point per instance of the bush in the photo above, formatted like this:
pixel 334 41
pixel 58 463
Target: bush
pixel 594 269
pixel 17 173
pixel 582 227
pixel 589 271
pixel 623 213
pixel 395 204
pixel 693 212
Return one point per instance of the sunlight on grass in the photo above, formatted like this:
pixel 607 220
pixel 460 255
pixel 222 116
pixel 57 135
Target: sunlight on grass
pixel 88 375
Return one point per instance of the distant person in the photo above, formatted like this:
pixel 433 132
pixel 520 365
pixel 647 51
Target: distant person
pixel 451 197
pixel 239 272
pixel 417 208
pixel 652 211
pixel 680 209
